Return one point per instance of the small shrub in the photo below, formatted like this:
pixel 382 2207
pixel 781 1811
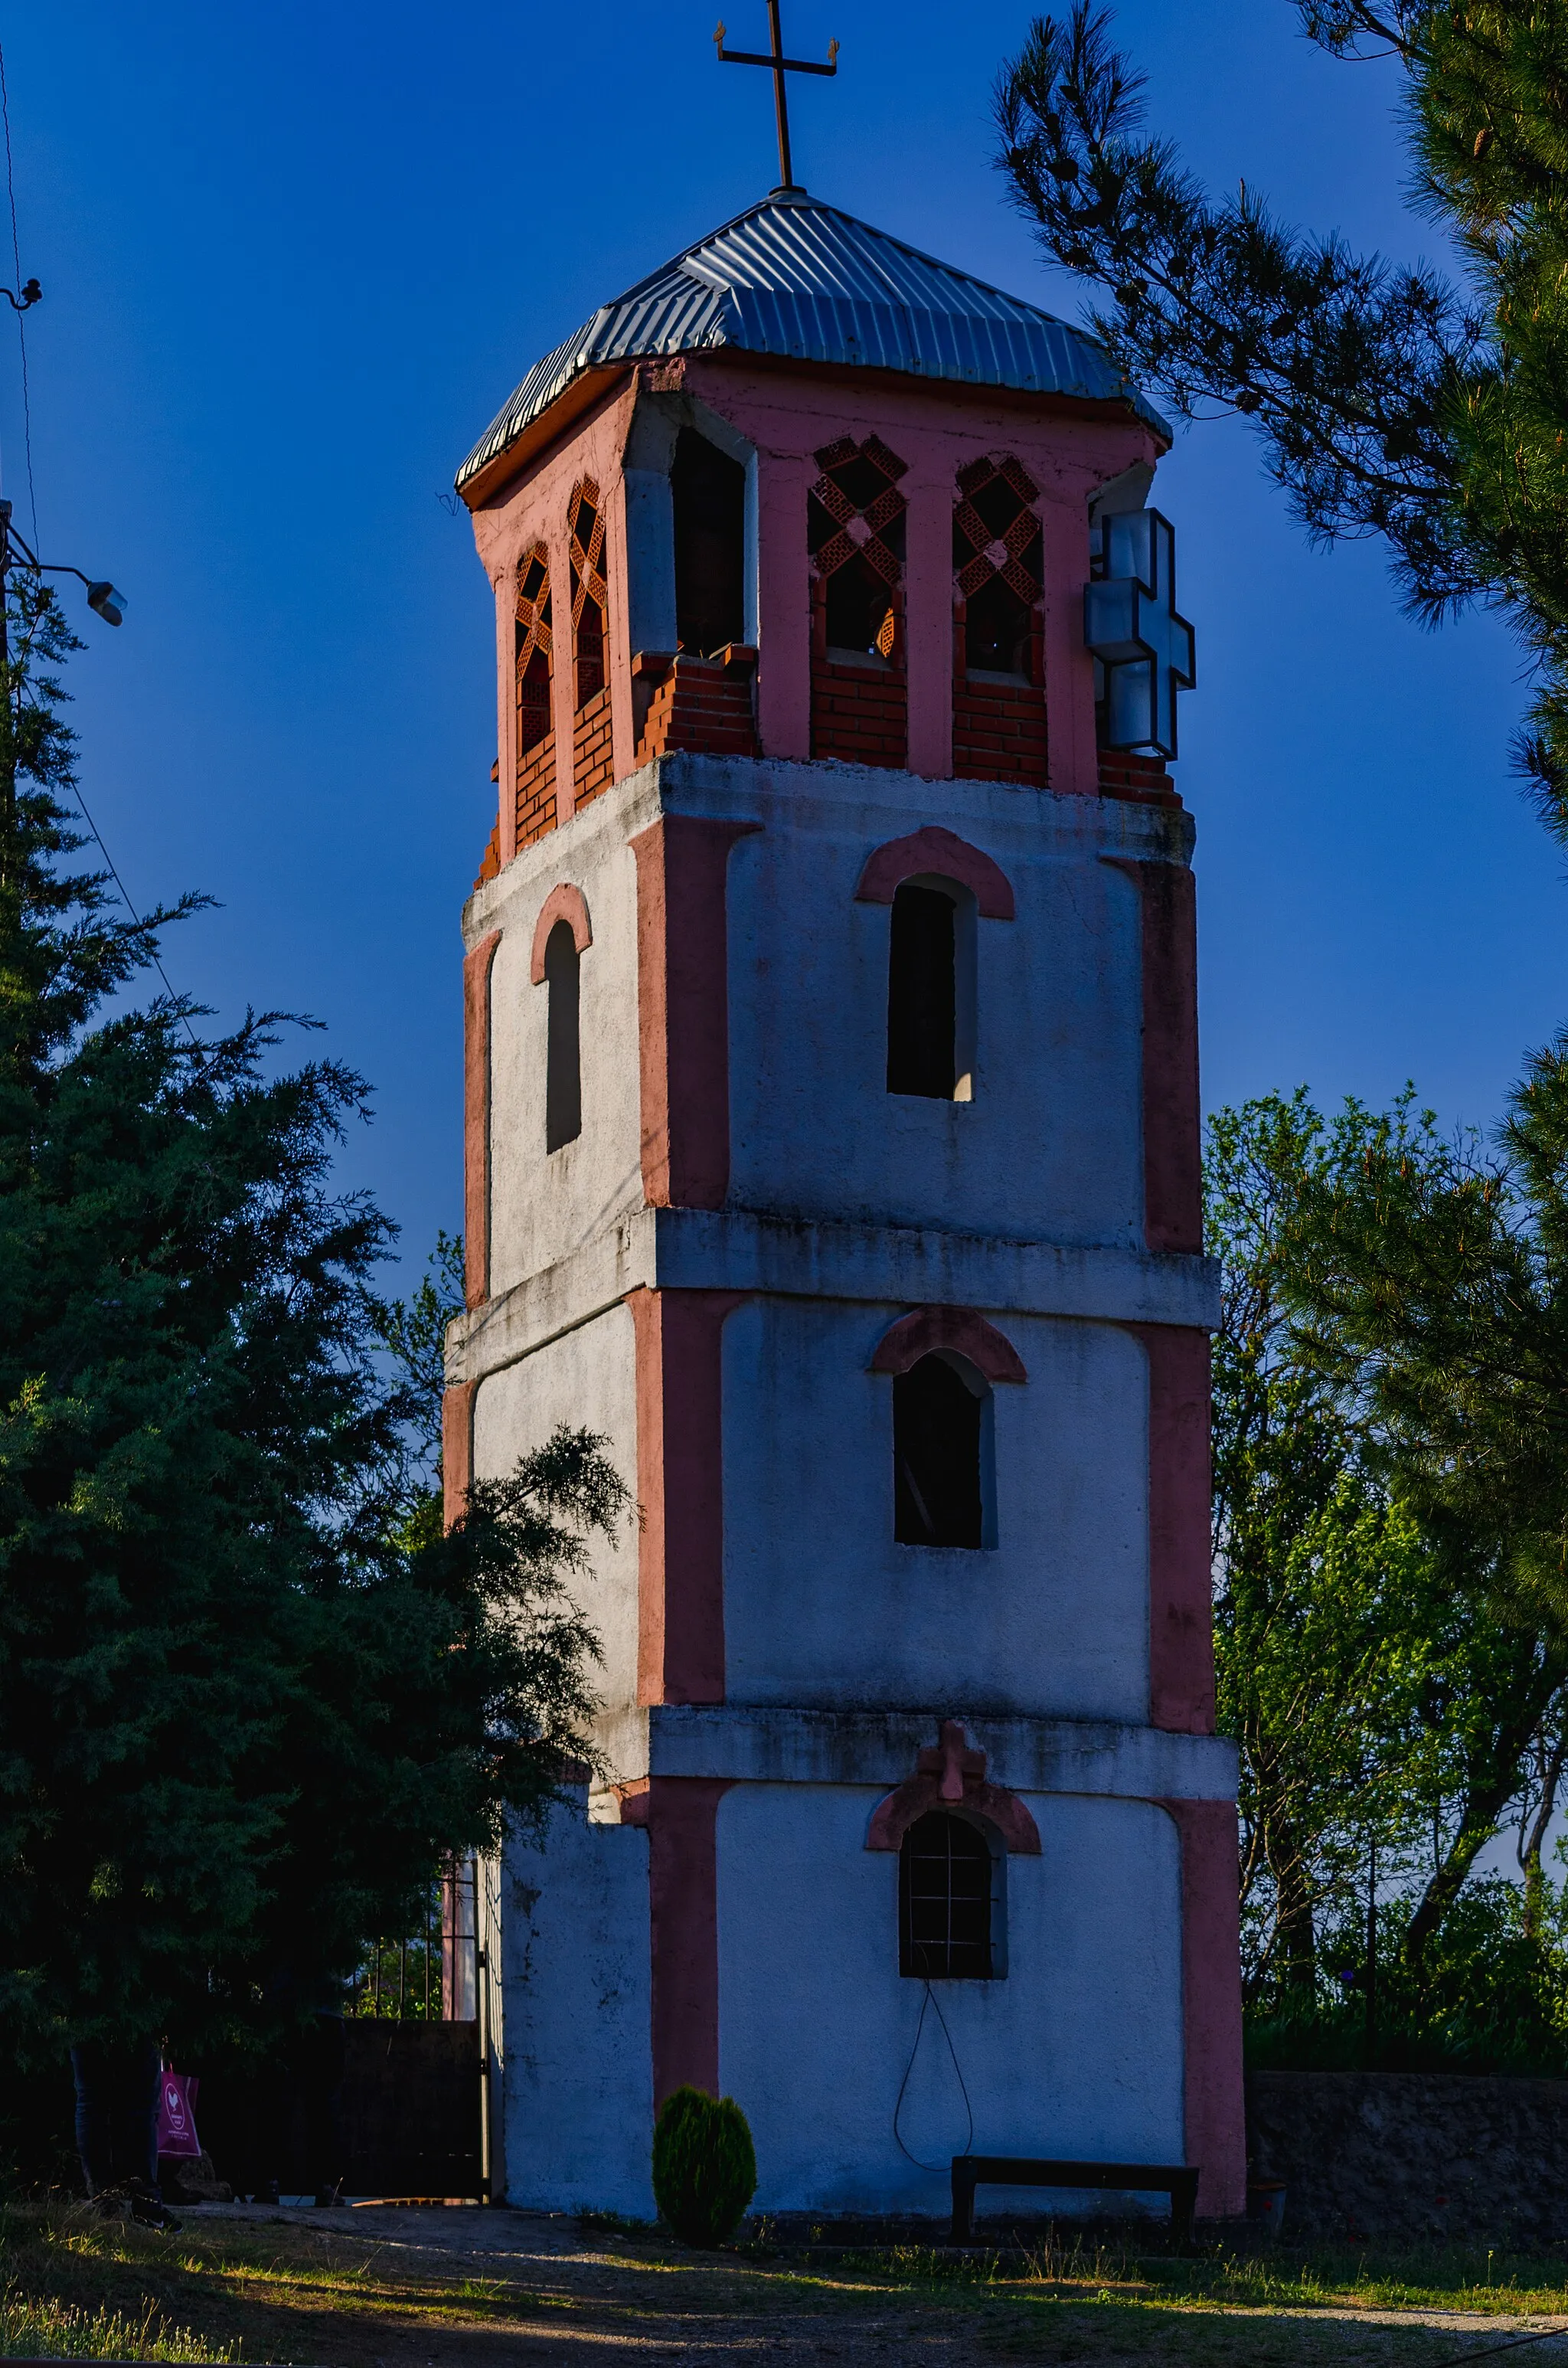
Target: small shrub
pixel 704 2166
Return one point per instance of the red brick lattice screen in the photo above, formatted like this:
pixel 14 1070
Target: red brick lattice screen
pixel 534 668
pixel 999 728
pixel 855 534
pixel 593 753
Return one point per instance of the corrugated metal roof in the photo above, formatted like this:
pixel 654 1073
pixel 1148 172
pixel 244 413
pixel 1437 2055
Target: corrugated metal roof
pixel 793 278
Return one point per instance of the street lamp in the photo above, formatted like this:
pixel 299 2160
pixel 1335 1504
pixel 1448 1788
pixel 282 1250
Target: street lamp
pixel 102 598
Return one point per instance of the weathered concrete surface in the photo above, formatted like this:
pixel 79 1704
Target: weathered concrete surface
pixel 1413 2155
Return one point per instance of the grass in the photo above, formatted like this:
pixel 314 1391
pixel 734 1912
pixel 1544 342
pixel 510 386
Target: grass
pixel 39 2327
pixel 251 2291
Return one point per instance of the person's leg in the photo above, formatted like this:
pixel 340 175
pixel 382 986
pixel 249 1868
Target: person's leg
pixel 93 2141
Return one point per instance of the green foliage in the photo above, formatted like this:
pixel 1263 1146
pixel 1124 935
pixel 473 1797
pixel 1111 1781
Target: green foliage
pixel 1388 402
pixel 250 1694
pixel 704 2166
pixel 1491 1994
pixel 1396 1689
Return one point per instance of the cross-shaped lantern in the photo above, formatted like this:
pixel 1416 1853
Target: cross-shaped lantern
pixel 1144 649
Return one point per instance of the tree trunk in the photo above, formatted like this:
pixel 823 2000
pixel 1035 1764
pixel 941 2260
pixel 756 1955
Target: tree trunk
pixel 1491 1786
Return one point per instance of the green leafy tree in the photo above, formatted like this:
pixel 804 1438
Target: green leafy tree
pixel 250 1696
pixel 1429 411
pixel 1426 1280
pixel 1387 1695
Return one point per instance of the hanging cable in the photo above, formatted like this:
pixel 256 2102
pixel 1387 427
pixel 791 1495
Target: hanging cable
pixel 20 309
pixel 931 1999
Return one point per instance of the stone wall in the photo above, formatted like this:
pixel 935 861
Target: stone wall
pixel 1418 2156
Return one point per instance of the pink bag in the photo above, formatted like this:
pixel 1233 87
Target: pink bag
pixel 176 2114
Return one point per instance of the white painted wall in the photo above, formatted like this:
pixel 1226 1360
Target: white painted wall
pixel 1050 1144
pixel 821 1608
pixel 577 2115
pixel 1076 2053
pixel 543 1205
pixel 586 1378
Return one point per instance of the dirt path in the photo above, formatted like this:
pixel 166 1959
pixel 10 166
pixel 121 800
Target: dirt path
pixel 412 2288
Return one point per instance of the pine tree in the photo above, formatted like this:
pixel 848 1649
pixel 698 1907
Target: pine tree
pixel 1388 402
pixel 250 1696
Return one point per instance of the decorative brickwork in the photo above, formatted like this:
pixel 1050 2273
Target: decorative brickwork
pixel 593 766
pixel 492 863
pixel 536 794
pixel 533 668
pixel 999 731
pixel 593 754
pixel 691 703
pixel 1126 774
pixel 856 532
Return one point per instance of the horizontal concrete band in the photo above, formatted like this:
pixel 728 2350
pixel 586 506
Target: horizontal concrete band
pixel 1019 825
pixel 699 1249
pixel 761 1745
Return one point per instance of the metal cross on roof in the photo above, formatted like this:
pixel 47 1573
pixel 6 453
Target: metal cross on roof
pixel 1130 624
pixel 780 67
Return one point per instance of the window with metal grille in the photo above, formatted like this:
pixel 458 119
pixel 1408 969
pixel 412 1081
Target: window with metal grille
pixel 563 1060
pixel 947 1881
pixel 937 1425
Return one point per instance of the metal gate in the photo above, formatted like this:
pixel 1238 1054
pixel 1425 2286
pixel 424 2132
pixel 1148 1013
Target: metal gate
pixel 418 2059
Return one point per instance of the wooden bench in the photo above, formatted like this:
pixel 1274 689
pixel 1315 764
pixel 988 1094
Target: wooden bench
pixel 971 2170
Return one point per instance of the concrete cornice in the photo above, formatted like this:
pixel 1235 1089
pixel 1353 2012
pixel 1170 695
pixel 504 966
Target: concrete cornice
pixel 780 1256
pixel 766 1745
pixel 1024 824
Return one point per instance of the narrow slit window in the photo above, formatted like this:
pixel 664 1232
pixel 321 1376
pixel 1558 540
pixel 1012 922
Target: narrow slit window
pixel 564 1058
pixel 939 1497
pixel 709 492
pixel 922 994
pixel 946 1882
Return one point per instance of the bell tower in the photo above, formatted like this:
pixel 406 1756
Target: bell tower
pixel 833 1148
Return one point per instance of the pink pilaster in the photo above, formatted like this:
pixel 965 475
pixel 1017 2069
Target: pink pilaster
pixel 929 620
pixel 680 1489
pixel 683 1008
pixel 1213 2098
pixel 1181 1614
pixel 1072 761
pixel 680 1814
pixel 476 1119
pixel 784 604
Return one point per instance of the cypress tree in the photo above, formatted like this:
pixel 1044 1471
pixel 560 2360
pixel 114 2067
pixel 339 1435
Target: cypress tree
pixel 250 1694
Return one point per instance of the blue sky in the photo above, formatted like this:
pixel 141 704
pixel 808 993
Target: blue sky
pixel 296 256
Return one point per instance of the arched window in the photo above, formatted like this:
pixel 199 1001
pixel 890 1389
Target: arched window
pixel 940 1436
pixel 854 531
pixel 999 720
pixel 922 993
pixel 563 1062
pixel 590 595
pixel 948 1882
pixel 708 494
pixel 931 993
pixel 536 739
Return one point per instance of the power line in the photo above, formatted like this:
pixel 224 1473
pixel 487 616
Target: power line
pixel 21 317
pixel 157 964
